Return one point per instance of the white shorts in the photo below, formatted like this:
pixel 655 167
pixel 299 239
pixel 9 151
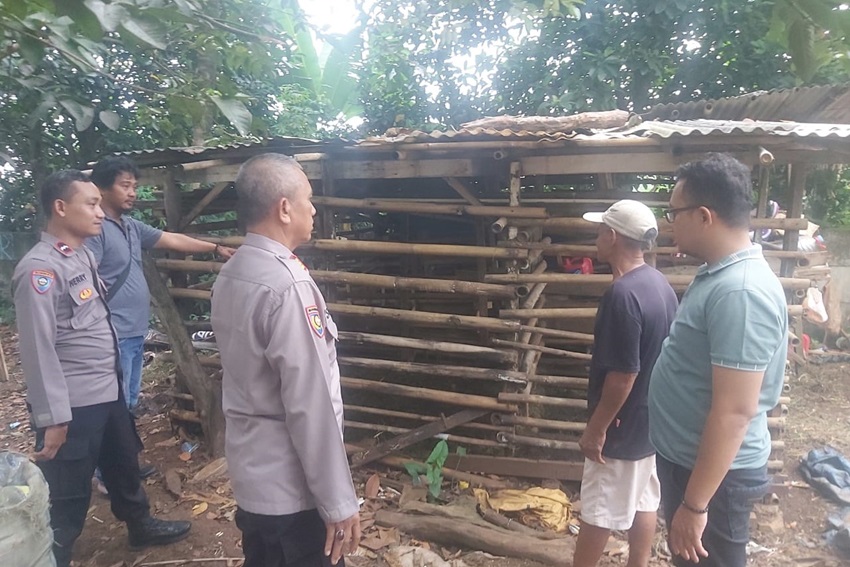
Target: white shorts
pixel 611 494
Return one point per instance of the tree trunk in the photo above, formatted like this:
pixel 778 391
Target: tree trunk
pixel 205 389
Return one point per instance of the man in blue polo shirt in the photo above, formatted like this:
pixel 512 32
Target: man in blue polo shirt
pixel 720 370
pixel 118 251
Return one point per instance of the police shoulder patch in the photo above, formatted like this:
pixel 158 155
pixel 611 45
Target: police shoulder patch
pixel 314 319
pixel 42 280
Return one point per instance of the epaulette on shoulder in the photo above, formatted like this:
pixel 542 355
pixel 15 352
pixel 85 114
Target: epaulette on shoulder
pixel 295 267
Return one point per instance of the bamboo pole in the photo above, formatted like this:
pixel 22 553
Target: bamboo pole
pixel 563 381
pixel 589 250
pixel 572 225
pixel 349 424
pixel 440 396
pixel 416 417
pixel 429 345
pixel 543 349
pixel 469 372
pixel 418 207
pixel 509 397
pixel 550 313
pixel 512 439
pixel 418 284
pixel 584 312
pixel 513 419
pixel 603 280
pixel 429 318
pixel 403 248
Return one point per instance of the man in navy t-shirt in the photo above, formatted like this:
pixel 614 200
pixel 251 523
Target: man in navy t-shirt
pixel 619 488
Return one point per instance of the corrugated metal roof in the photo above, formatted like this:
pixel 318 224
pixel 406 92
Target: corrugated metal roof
pixel 653 129
pixel 670 129
pixel 822 104
pixel 467 134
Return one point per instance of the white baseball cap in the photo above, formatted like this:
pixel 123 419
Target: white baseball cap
pixel 630 218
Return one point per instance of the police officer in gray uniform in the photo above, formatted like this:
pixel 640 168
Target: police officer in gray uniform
pixel 69 354
pixel 281 387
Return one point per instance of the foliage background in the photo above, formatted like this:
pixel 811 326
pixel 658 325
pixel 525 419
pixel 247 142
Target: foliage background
pixel 81 78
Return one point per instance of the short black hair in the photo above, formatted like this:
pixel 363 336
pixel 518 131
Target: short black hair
pixel 58 186
pixel 261 183
pixel 106 170
pixel 721 183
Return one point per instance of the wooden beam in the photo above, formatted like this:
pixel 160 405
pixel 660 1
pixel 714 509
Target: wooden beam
pixel 655 162
pixel 415 435
pixel 514 467
pixel 463 190
pixel 207 392
pixel 199 207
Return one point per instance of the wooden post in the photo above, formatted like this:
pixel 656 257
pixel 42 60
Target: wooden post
pixel 799 172
pixel 516 183
pixel 4 370
pixel 205 390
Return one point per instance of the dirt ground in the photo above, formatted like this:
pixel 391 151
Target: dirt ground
pixel 788 532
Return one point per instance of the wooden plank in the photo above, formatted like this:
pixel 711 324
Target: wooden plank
pixel 656 162
pixel 202 204
pixel 415 435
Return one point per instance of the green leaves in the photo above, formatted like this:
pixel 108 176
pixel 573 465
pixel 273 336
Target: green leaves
pixel 235 112
pixel 83 115
pixel 110 16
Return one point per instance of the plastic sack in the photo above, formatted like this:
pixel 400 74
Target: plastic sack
pixel 26 539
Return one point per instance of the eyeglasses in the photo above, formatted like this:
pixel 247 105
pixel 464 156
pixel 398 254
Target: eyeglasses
pixel 670 214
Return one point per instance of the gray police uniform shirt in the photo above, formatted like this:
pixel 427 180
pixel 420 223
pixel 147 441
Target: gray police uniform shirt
pixel 68 347
pixel 120 244
pixel 281 386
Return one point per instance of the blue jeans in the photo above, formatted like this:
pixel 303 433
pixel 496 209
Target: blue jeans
pixel 728 530
pixel 132 350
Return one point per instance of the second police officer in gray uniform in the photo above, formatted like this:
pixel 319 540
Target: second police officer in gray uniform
pixel 69 354
pixel 281 385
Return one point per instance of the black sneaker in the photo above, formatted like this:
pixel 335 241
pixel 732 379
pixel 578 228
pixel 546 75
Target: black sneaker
pixel 152 531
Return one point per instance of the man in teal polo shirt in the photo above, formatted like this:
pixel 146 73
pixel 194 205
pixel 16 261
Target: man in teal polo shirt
pixel 720 370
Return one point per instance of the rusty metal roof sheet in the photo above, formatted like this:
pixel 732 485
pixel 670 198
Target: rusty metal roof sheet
pixel 821 104
pixel 649 129
pixel 468 134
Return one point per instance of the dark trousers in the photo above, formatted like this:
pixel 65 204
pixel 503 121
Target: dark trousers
pixel 728 530
pixel 293 540
pixel 104 436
